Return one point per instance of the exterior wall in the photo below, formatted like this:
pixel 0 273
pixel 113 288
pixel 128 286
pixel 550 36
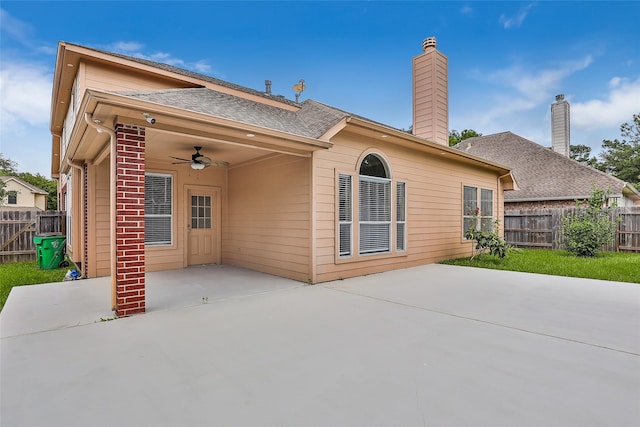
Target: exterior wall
pixel 99 246
pixel 267 224
pixel 174 256
pixel 156 257
pixel 25 198
pixel 101 76
pixel 434 206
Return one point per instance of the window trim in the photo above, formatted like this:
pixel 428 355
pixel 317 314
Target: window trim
pixel 172 215
pixel 12 195
pixel 355 255
pixel 479 219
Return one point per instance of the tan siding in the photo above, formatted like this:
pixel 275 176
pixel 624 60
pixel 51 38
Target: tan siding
pixel 267 224
pixel 101 76
pixel 174 256
pixel 101 213
pixel 434 206
pixel 156 258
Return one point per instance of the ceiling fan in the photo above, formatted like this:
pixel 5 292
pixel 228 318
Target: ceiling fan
pixel 198 161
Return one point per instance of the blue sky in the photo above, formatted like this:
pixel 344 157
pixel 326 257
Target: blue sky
pixel 507 60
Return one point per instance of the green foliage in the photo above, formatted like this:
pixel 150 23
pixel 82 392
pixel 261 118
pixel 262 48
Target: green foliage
pixel 615 266
pixel 7 166
pixel 488 240
pixel 3 192
pixel 590 227
pixel 455 136
pixel 621 158
pixel 582 154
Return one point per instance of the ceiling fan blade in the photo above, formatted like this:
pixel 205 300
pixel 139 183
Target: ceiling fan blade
pixel 180 163
pixel 180 158
pixel 203 159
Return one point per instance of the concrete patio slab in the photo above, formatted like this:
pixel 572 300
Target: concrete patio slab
pixel 60 305
pixel 434 345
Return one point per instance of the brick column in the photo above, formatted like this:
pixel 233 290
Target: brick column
pixel 130 272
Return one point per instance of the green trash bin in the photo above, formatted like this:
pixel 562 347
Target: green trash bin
pixel 51 252
pixel 38 242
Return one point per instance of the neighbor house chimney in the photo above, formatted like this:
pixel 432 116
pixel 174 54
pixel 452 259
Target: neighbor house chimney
pixel 560 135
pixel 430 94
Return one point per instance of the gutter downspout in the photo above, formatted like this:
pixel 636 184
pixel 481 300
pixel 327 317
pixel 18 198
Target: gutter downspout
pixel 112 200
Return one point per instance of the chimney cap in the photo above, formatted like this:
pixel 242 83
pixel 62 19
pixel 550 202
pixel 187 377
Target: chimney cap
pixel 429 42
pixel 560 97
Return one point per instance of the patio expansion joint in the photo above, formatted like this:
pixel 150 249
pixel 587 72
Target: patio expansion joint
pixel 473 319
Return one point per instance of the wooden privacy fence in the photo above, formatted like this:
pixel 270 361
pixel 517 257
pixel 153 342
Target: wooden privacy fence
pixel 19 227
pixel 542 228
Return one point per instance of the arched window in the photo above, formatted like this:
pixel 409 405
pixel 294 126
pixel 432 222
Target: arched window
pixel 372 165
pixel 375 210
pixel 375 206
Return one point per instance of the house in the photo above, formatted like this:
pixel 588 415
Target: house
pixel 546 178
pixel 23 195
pixel 163 168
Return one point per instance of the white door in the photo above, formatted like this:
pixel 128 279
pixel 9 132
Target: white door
pixel 202 226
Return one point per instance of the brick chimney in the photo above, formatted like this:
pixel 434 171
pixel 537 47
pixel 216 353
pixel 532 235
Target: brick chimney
pixel 431 94
pixel 560 135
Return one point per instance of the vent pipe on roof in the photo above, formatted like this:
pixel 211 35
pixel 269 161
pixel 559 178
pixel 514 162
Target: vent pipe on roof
pixel 267 84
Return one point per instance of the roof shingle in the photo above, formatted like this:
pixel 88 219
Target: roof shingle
pixel 540 173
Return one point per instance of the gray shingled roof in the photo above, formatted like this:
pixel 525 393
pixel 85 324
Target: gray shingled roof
pixel 312 120
pixel 191 74
pixel 540 173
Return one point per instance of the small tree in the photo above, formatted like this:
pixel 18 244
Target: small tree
pixel 590 227
pixel 487 240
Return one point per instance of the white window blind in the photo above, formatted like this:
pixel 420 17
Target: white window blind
pixel 158 209
pixel 345 215
pixel 375 214
pixel 479 215
pixel 486 209
pixel 401 216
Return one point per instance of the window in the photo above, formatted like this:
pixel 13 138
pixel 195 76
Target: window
pixel 200 212
pixel 374 221
pixel 345 214
pixel 375 206
pixel 158 209
pixel 12 197
pixel 477 216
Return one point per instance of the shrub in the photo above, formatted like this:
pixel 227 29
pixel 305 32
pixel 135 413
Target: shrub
pixel 488 240
pixel 590 226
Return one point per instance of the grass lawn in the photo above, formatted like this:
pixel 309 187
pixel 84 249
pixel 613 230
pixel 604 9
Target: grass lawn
pixel 619 267
pixel 25 273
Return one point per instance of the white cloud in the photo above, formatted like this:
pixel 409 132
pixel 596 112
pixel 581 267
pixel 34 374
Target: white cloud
pixel 516 20
pixel 136 49
pixel 619 105
pixel 22 32
pixel 520 88
pixel 466 10
pixel 25 95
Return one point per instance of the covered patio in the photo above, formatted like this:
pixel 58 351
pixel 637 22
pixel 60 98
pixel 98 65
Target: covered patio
pixel 40 308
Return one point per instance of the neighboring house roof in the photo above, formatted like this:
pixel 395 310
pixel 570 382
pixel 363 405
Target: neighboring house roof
pixel 540 173
pixel 30 187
